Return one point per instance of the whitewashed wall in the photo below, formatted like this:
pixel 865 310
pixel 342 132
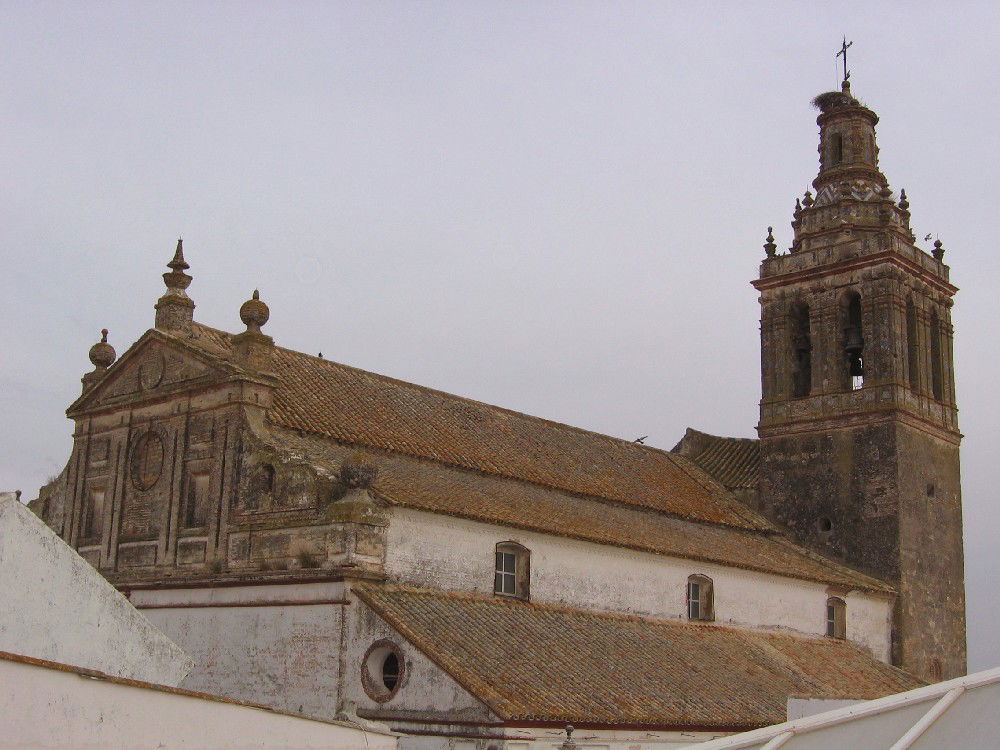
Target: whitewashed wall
pixel 55 606
pixel 437 551
pixel 276 645
pixel 426 691
pixel 50 708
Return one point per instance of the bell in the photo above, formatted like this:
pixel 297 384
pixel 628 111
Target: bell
pixel 854 343
pixel 857 366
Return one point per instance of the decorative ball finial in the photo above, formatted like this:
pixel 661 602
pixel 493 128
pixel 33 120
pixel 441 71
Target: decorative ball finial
pixel 254 313
pixel 903 202
pixel 102 354
pixel 769 246
pixel 938 251
pixel 568 743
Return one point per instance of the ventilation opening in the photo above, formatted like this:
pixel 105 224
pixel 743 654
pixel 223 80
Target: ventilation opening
pixel 930 490
pixel 824 524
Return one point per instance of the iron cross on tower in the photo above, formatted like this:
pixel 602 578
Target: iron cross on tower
pixel 843 51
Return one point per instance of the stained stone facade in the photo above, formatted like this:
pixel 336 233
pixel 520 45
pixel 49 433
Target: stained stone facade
pixel 858 422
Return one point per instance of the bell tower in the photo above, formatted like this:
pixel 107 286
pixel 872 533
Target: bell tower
pixel 858 424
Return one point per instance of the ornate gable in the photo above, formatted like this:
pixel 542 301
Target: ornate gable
pixel 156 365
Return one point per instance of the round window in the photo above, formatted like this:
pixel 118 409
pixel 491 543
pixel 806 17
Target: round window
pixel 383 670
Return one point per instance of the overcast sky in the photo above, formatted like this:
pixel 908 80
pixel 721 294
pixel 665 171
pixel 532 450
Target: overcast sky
pixel 554 207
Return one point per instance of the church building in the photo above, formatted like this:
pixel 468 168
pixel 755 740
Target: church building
pixel 334 542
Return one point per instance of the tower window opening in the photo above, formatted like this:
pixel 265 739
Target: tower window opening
pixel 936 388
pixel 912 352
pixel 837 149
pixel 802 351
pixel 854 344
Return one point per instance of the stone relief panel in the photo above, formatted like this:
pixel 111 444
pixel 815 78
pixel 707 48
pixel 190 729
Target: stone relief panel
pixel 146 483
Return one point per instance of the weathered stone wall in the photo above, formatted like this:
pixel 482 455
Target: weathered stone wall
pixel 173 473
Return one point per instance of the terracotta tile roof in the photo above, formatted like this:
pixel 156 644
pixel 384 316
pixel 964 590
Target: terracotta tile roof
pixel 734 462
pixel 325 398
pixel 430 486
pixel 533 662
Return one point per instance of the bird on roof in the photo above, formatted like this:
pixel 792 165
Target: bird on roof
pixel 641 440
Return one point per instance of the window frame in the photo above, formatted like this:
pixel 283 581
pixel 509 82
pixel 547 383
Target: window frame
pixel 519 577
pixel 704 587
pixel 836 618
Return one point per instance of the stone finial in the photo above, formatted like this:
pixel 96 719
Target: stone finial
pixel 938 251
pixel 904 204
pixel 175 310
pixel 102 354
pixel 798 208
pixel 254 313
pixel 568 743
pixel 769 246
pixel 808 199
pixel 252 345
pixel 886 191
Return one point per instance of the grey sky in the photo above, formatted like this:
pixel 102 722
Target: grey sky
pixel 555 207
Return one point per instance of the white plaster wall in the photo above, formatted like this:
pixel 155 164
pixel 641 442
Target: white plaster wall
pixel 55 606
pixel 552 739
pixel 426 689
pixel 44 707
pixel 438 551
pixel 284 655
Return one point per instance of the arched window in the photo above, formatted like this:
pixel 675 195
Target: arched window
pixel 854 345
pixel 836 618
pixel 936 388
pixel 912 352
pixel 700 598
pixel 513 570
pixel 801 350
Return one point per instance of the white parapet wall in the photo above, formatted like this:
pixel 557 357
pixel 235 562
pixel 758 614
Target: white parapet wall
pixel 55 606
pixel 45 705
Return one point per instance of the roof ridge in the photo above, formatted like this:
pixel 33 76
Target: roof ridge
pixel 718 494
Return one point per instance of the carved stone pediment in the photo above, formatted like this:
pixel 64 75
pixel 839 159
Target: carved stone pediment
pixel 152 368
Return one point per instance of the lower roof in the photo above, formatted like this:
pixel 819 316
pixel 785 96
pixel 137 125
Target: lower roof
pixel 533 662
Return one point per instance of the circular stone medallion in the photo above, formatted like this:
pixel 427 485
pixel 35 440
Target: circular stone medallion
pixel 151 372
pixel 147 460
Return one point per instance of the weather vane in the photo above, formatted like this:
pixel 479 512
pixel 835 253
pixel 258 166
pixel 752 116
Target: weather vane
pixel 843 51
